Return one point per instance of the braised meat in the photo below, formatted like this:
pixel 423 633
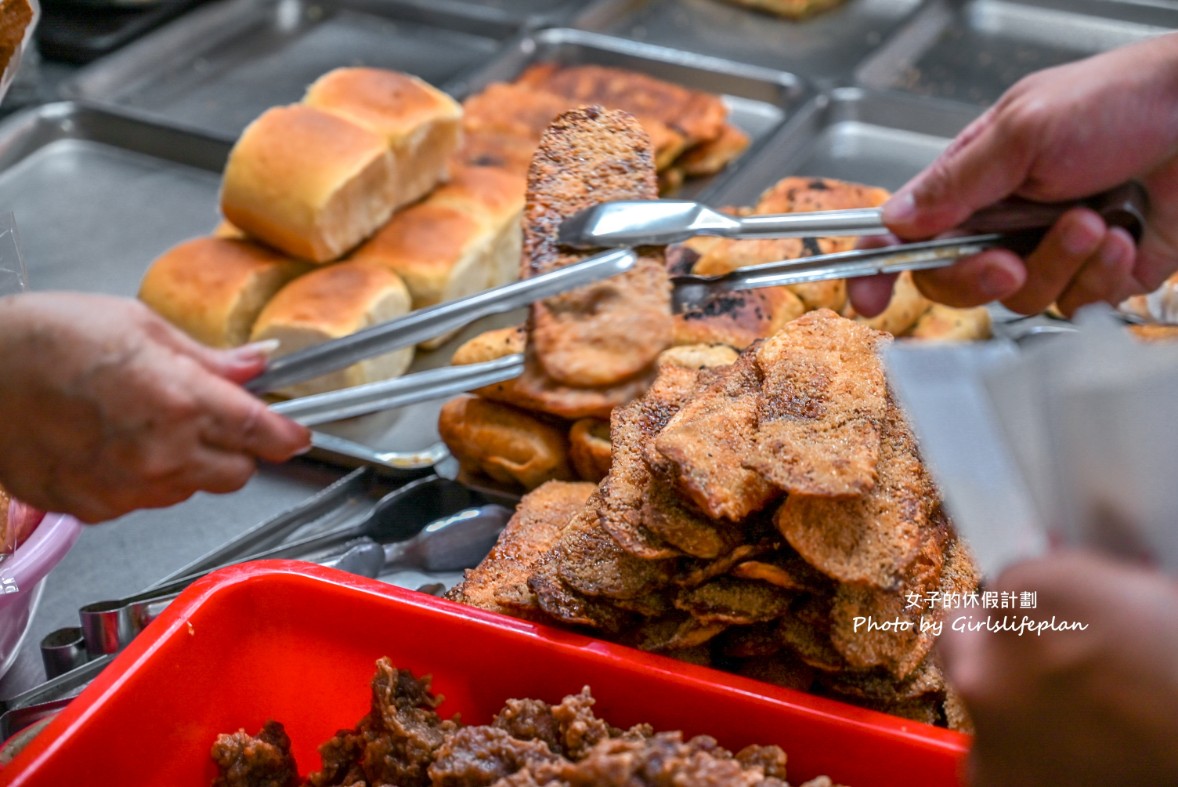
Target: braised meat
pixel 263 760
pixel 394 743
pixel 529 742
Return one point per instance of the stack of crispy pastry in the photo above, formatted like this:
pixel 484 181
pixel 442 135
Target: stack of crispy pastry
pixel 554 438
pixel 752 513
pixel 688 128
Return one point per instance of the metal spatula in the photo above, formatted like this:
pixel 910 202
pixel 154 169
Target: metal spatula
pixel 660 222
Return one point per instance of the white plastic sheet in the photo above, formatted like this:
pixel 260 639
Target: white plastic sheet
pixel 1071 441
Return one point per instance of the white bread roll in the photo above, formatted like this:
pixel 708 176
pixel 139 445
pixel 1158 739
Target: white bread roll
pixel 463 238
pixel 308 182
pixel 331 302
pixel 421 124
pixel 214 288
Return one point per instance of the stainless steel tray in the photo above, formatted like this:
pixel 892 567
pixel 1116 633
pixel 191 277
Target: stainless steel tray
pixel 973 50
pixel 876 138
pixel 825 49
pixel 518 11
pixel 97 196
pixel 759 100
pixel 217 69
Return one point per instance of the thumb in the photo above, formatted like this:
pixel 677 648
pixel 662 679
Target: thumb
pixel 241 363
pixel 981 166
pixel 237 364
pixel 1157 253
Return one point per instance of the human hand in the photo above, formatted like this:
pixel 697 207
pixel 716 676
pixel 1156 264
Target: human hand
pixel 1092 707
pixel 1063 133
pixel 106 408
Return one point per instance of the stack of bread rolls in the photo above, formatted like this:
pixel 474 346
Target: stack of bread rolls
pixel 346 210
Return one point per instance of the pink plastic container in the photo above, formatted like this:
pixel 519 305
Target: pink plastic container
pixel 22 578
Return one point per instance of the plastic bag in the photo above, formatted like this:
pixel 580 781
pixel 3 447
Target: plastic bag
pixel 14 276
pixel 17 520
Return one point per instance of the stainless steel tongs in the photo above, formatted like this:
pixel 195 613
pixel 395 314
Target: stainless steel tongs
pixel 411 329
pixel 660 222
pixel 435 320
pixel 1016 224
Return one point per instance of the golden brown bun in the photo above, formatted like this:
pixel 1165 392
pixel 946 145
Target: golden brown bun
pixel 738 318
pixel 1154 332
pixel 226 230
pixel 421 124
pixel 214 288
pixel 508 445
pixel 903 310
pixel 710 157
pixel 489 345
pixel 790 9
pixel 463 238
pixel 494 193
pixel 733 318
pixel 308 182
pixel 589 448
pixel 330 302
pixel 698 356
pixel 942 323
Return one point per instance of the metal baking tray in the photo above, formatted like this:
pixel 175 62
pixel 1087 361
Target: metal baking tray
pixel 759 100
pixel 881 139
pixel 825 48
pixel 220 67
pixel 517 11
pixel 973 50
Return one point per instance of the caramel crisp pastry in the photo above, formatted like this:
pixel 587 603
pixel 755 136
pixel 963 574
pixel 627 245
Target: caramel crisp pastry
pixel 753 515
pixel 790 9
pixel 708 336
pixel 688 128
pixel 403 741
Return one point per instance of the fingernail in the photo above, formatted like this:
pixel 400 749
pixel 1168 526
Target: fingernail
pixel 262 349
pixel 996 281
pixel 1111 255
pixel 1078 240
pixel 900 209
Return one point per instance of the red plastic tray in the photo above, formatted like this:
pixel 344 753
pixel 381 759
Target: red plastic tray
pixel 297 643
